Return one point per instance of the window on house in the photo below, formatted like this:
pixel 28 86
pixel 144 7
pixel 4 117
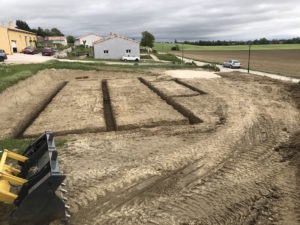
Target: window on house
pixel 128 51
pixel 105 51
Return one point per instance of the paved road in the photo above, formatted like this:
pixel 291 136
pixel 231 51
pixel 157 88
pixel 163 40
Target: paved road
pixel 222 69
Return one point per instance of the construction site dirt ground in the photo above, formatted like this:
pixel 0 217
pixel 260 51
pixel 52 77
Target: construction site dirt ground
pixel 147 148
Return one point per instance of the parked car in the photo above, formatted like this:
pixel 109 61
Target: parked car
pixel 130 58
pixel 232 64
pixel 47 51
pixel 30 50
pixel 3 55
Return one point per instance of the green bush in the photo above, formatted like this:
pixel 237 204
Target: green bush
pixel 168 57
pixel 143 50
pixel 175 48
pixel 212 67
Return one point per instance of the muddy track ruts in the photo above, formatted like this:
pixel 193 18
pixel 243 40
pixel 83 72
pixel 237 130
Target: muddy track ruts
pixel 212 198
pixel 234 193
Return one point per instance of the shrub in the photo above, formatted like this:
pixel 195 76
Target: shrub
pixel 168 57
pixel 175 48
pixel 212 67
pixel 143 50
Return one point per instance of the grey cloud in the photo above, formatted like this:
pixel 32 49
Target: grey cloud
pixel 189 19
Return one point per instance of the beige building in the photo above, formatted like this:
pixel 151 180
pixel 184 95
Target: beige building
pixel 14 40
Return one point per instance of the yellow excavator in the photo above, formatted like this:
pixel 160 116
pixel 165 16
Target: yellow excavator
pixel 32 182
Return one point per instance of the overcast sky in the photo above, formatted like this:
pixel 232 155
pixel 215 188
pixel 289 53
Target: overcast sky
pixel 166 19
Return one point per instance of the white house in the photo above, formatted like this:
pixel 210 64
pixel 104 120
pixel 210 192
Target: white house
pixel 87 40
pixel 115 46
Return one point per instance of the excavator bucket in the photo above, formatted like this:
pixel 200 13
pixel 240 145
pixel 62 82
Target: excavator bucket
pixel 33 187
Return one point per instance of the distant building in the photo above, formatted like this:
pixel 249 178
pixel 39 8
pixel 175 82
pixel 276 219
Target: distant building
pixel 13 40
pixel 115 46
pixel 87 40
pixel 62 40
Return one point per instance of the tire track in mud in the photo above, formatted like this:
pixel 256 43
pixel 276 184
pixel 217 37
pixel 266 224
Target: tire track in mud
pixel 208 198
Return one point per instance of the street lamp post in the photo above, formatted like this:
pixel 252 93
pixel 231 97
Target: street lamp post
pixel 249 57
pixel 182 52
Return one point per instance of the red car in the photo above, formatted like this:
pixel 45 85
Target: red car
pixel 47 52
pixel 30 50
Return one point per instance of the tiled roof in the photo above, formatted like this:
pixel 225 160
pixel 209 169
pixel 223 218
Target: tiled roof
pixel 114 36
pixel 87 35
pixel 19 30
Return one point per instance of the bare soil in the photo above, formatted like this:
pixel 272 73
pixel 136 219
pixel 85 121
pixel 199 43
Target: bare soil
pixel 283 62
pixel 77 108
pixel 170 88
pixel 239 166
pixel 134 105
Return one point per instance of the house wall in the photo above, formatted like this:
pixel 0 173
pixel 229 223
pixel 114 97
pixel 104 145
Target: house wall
pixel 116 48
pixel 8 35
pixel 4 43
pixel 90 39
pixel 22 39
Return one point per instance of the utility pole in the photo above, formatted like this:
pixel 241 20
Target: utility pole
pixel 182 52
pixel 249 57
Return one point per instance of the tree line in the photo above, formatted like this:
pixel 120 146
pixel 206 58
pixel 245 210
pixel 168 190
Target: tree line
pixel 262 41
pixel 39 31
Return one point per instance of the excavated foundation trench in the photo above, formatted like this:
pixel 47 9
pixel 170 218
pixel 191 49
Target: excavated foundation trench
pixel 108 113
pixel 181 109
pixel 188 151
pixel 29 120
pixel 58 102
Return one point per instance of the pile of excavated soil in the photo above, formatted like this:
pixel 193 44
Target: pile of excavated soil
pixel 19 102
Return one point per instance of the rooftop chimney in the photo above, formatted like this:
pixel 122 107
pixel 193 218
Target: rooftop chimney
pixel 11 24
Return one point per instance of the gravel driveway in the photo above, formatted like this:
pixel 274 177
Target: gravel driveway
pixel 19 58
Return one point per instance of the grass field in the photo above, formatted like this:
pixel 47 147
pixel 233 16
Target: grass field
pixel 168 57
pixel 11 74
pixel 283 62
pixel 164 47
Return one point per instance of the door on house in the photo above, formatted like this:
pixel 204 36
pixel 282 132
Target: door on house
pixel 14 46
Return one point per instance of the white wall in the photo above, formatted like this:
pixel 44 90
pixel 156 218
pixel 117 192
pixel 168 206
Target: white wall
pixel 116 48
pixel 90 39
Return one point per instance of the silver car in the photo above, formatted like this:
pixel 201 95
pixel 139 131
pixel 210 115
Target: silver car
pixel 232 64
